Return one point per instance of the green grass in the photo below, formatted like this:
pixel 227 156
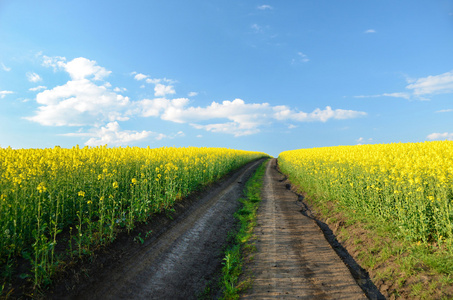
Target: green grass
pixel 239 248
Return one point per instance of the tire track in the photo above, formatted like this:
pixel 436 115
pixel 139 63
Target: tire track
pixel 293 258
pixel 180 261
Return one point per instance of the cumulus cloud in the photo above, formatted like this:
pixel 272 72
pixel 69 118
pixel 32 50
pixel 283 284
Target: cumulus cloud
pixel 153 80
pixel 161 90
pixel 370 31
pixel 111 134
pixel 87 100
pixel 192 94
pixel 4 93
pixel 79 101
pixel 237 117
pixel 81 68
pixel 148 79
pixel 118 89
pixel 441 136
pixel 56 62
pixel 159 106
pixel 33 77
pixel 140 76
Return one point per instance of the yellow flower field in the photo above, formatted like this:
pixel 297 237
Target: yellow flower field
pixel 409 184
pixel 86 194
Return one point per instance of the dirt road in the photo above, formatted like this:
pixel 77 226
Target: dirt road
pixel 183 258
pixel 293 259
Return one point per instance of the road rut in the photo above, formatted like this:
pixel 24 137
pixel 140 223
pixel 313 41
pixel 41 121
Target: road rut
pixel 293 259
pixel 184 258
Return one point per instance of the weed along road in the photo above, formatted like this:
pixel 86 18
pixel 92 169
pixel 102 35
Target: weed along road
pixel 293 258
pixel 180 262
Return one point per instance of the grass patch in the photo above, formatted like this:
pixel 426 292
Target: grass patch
pixel 239 247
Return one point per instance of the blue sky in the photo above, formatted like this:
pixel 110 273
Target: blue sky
pixel 255 75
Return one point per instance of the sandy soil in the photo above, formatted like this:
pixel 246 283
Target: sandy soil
pixel 293 258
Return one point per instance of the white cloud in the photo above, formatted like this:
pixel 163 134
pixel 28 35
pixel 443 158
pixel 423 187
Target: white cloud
pixel 81 68
pixel 397 95
pixel 5 68
pixel 301 57
pixel 56 62
pixel 445 110
pixel 264 7
pixel 80 101
pixel 33 77
pixel 112 135
pixel 239 118
pixel 140 76
pixel 192 94
pixel 422 87
pixel 229 128
pixel 41 87
pixel 431 85
pixel 440 136
pixel 159 106
pixel 284 113
pixel 236 110
pixel 406 96
pixel 362 140
pixel 118 89
pixel 87 100
pixel 370 31
pixel 256 28
pixel 160 90
pixel 153 80
pixel 4 93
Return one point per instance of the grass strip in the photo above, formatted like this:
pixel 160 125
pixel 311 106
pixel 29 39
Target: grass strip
pixel 239 247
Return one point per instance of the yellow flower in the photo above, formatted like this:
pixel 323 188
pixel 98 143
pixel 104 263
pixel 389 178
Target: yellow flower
pixel 81 194
pixel 41 188
pixel 115 185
